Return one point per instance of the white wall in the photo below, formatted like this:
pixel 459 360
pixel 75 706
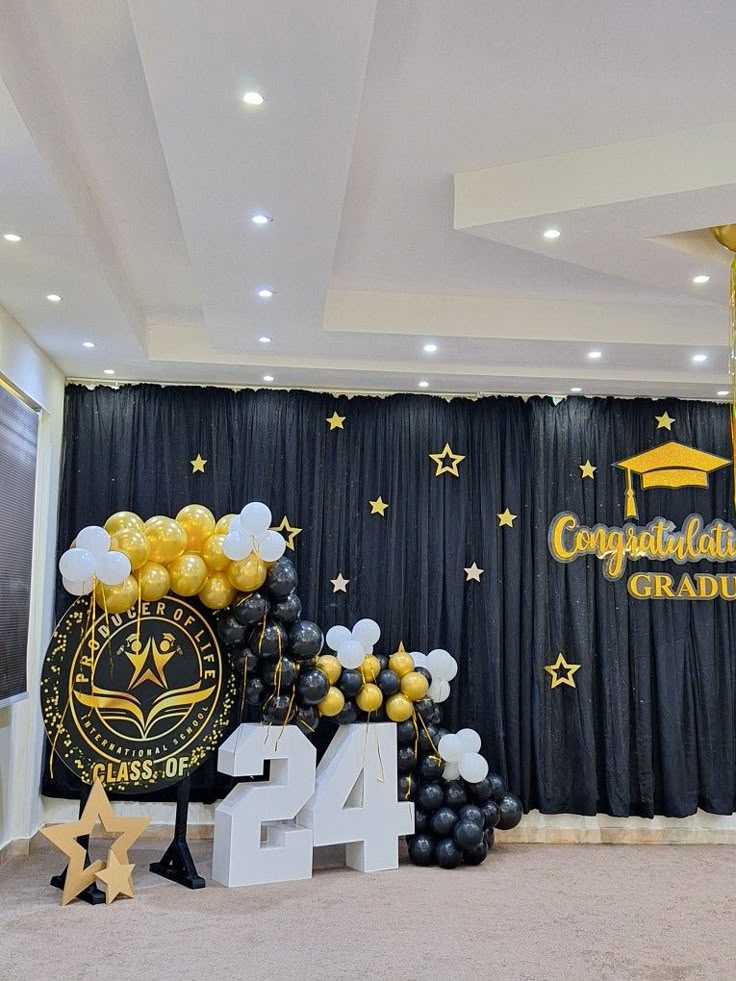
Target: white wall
pixel 27 369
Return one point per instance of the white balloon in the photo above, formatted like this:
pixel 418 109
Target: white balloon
pixel 452 670
pixel 95 539
pixel 473 767
pixel 420 660
pixel 438 663
pixel 337 635
pixel 236 545
pixel 451 748
pixel 113 568
pixel 351 653
pixel 234 524
pixel 255 518
pixel 367 632
pixel 470 740
pixel 439 690
pixel 451 771
pixel 77 564
pixel 271 546
pixel 78 588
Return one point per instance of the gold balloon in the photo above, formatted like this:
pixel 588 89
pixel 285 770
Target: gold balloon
pixel 117 599
pixel 217 592
pixel 329 665
pixel 121 521
pixel 371 667
pixel 332 704
pixel 166 539
pixel 213 555
pixel 248 574
pixel 414 685
pixel 726 235
pixel 223 525
pixel 399 708
pixel 188 574
pixel 369 698
pixel 133 543
pixel 155 581
pixel 199 523
pixel 401 663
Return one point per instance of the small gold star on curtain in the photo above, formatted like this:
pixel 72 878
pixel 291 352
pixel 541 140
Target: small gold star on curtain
pixel 339 583
pixel 198 464
pixel 473 572
pixel 378 506
pixel 442 467
pixel 561 672
pixel 506 518
pixel 288 531
pixel 335 421
pixel 664 421
pixel 587 470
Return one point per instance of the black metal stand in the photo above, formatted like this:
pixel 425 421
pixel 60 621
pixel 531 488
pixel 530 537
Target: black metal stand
pixel 91 894
pixel 177 863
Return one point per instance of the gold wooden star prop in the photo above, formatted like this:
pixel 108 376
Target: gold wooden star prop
pixel 335 421
pixel 64 837
pixel 664 421
pixel 506 518
pixel 587 470
pixel 378 506
pixel 288 532
pixel 198 464
pixel 116 878
pixel 442 467
pixel 339 583
pixel 555 672
pixel 473 572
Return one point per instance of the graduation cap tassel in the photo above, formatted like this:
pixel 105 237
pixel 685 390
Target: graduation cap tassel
pixel 631 511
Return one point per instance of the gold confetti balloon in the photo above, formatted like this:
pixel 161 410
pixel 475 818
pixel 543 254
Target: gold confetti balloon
pixel 223 525
pixel 199 523
pixel 133 543
pixel 166 539
pixel 188 574
pixel 370 668
pixel 369 698
pixel 154 580
pixel 247 575
pixel 122 520
pixel 328 664
pixel 401 663
pixel 213 555
pixel 414 685
pixel 399 708
pixel 217 592
pixel 332 704
pixel 117 599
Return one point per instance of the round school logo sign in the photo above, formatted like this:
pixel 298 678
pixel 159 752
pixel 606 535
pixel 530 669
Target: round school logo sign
pixel 139 701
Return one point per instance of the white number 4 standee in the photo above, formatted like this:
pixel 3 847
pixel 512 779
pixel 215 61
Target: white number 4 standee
pixel 266 831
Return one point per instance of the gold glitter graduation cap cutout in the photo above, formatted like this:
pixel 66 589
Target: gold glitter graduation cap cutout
pixel 670 464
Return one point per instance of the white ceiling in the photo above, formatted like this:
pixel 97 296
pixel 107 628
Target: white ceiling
pixel 411 153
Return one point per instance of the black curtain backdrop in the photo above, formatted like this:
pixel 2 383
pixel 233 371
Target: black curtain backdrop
pixel 649 728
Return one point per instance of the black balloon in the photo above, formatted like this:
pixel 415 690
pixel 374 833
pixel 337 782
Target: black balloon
pixel 305 640
pixel 382 660
pixel 510 812
pixel 428 741
pixel 442 821
pixel 229 630
pixel 498 788
pixel 480 791
pixel 350 682
pixel 288 609
pixel 406 787
pixel 282 578
pixel 491 814
pixel 405 733
pixel 436 716
pixel 268 639
pixel 467 834
pixel 421 820
pixel 254 690
pixel 455 795
pixel 490 838
pixel 476 855
pixel 244 659
pixel 425 708
pixel 447 854
pixel 312 686
pixel 389 682
pixel 471 812
pixel 431 767
pixel 307 718
pixel 276 709
pixel 421 849
pixel 440 732
pixel 405 759
pixel 430 796
pixel 250 609
pixel 347 714
pixel 285 676
pixel 425 674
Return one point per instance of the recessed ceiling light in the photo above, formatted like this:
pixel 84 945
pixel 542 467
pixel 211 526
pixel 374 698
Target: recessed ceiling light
pixel 700 357
pixel 575 388
pixel 268 378
pixel 253 99
pixel 109 371
pixel 264 339
pixel 88 344
pixel 424 384
pixel 261 219
pixel 595 354
pixel 701 279
pixel 265 293
pixel 430 348
pixel 552 233
pixel 12 237
pixel 53 298
pixel 723 391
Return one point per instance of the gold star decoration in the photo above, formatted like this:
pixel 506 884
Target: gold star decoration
pixel 587 470
pixel 64 837
pixel 400 649
pixel 506 518
pixel 442 467
pixel 288 532
pixel 555 671
pixel 473 572
pixel 116 878
pixel 335 421
pixel 339 583
pixel 664 421
pixel 198 464
pixel 378 506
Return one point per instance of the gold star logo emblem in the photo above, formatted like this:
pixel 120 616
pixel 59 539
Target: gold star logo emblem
pixel 561 672
pixel 473 572
pixel 198 464
pixel 378 506
pixel 288 532
pixel 116 878
pixel 150 660
pixel 664 421
pixel 335 421
pixel 587 470
pixel 506 518
pixel 339 583
pixel 442 466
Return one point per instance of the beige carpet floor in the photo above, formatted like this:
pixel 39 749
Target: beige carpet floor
pixel 531 912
